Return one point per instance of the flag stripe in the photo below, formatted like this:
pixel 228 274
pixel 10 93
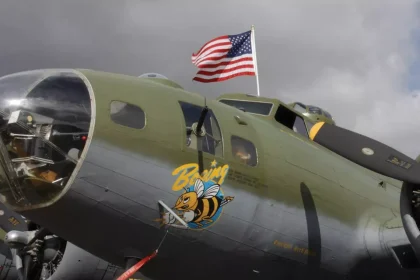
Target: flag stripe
pixel 214 54
pixel 221 49
pixel 225 69
pixel 229 73
pixel 211 63
pixel 221 39
pixel 204 80
pixel 216 45
pixel 211 57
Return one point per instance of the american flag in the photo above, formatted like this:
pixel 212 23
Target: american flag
pixel 224 58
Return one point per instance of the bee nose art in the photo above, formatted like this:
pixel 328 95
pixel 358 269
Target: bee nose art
pixel 45 126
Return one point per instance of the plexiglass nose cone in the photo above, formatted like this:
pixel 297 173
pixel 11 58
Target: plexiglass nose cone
pixel 45 118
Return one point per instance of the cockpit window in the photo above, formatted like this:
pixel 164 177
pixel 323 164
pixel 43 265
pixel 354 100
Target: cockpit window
pixel 70 104
pixel 315 110
pixel 212 141
pixel 300 107
pixel 291 120
pixel 261 108
pixel 244 151
pixel 127 115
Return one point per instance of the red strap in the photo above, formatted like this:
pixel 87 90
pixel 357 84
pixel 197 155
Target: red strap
pixel 130 272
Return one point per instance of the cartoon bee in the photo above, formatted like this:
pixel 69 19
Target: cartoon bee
pixel 199 205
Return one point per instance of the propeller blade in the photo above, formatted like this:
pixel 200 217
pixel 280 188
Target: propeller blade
pixel 366 152
pixel 27 265
pixel 17 260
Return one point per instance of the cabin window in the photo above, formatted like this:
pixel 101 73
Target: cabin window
pixel 244 151
pixel 300 107
pixel 260 108
pixel 212 142
pixel 291 120
pixel 127 115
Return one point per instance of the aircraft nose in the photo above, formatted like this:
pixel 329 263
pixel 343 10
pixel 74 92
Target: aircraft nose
pixel 45 118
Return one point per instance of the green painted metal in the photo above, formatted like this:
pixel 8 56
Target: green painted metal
pixel 341 189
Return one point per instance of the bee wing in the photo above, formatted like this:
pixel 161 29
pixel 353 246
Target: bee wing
pixel 212 191
pixel 199 187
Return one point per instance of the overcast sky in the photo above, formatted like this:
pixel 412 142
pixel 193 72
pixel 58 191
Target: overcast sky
pixel 357 58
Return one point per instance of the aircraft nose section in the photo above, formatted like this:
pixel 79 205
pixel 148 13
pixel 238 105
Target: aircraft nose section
pixel 45 119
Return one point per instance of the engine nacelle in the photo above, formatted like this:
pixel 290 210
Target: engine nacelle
pixel 72 263
pixel 54 258
pixel 77 264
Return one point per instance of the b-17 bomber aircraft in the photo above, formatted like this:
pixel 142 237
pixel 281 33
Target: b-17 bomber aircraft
pixel 121 166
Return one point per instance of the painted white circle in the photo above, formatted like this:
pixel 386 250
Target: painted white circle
pixel 1 212
pixel 368 151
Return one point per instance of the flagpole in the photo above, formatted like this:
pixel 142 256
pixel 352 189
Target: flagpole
pixel 254 56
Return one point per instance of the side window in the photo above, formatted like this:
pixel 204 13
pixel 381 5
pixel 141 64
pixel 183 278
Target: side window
pixel 127 115
pixel 244 151
pixel 212 141
pixel 291 120
pixel 299 126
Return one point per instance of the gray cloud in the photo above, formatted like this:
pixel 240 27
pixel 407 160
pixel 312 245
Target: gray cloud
pixel 350 57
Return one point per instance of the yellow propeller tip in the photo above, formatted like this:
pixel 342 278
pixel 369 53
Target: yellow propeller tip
pixel 315 129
